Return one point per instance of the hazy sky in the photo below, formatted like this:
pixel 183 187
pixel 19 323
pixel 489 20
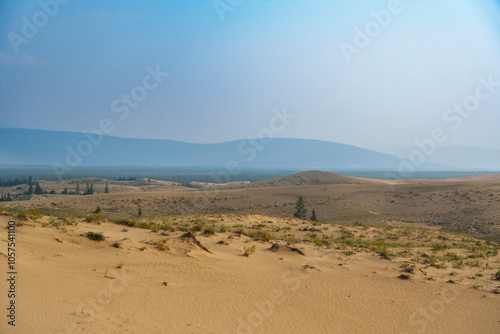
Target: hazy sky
pixel 226 76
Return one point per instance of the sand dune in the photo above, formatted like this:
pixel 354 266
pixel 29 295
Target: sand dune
pixel 471 207
pixel 70 284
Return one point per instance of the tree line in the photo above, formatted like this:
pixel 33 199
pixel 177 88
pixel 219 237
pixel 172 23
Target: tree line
pixel 34 187
pixel 16 176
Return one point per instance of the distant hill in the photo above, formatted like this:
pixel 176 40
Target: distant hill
pixel 41 147
pixel 309 178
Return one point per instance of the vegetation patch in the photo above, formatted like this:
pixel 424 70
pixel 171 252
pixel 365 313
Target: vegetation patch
pixel 248 250
pixel 97 236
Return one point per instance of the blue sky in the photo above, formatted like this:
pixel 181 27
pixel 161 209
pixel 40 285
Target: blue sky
pixel 227 76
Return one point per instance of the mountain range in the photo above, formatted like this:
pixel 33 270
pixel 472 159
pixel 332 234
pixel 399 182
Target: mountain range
pixel 74 149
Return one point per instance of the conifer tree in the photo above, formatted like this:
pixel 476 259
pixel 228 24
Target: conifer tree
pixel 313 216
pixel 38 189
pixel 300 210
pixel 90 189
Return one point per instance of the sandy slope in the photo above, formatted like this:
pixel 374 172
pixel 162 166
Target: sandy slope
pixel 63 289
pixel 470 207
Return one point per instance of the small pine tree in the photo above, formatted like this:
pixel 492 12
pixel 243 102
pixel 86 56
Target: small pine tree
pixel 38 189
pixel 90 189
pixel 140 212
pixel 30 181
pixel 65 191
pixel 77 191
pixel 313 216
pixel 30 190
pixel 98 209
pixel 300 209
pixel 106 190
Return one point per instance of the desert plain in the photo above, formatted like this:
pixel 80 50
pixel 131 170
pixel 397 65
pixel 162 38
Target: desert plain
pixel 409 256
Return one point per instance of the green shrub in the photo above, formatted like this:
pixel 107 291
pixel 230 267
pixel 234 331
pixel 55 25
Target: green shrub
pixel 318 242
pixel 291 240
pixel 197 227
pixel 249 250
pixel 162 244
pixel 36 214
pixel 124 222
pixel 96 217
pixel 166 227
pixel 142 225
pixel 384 252
pixel 209 230
pixel 452 256
pixel 97 236
pixel 258 226
pixel 262 235
pixel 438 247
